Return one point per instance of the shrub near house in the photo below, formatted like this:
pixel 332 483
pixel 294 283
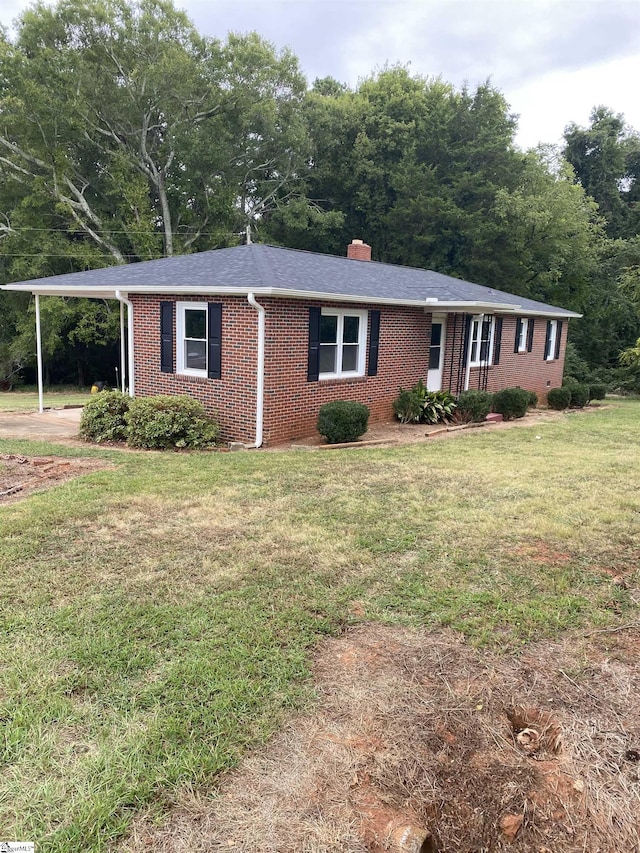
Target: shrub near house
pixel 157 422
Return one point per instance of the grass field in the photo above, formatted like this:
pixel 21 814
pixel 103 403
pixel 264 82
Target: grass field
pixel 27 400
pixel 157 616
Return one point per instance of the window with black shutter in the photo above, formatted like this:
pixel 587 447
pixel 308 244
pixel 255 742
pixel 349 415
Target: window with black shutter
pixel 199 339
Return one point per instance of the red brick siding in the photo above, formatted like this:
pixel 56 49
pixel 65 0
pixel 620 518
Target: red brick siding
pixel 231 399
pixel 292 403
pixel 527 369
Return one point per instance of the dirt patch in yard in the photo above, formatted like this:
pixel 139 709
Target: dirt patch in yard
pixel 420 742
pixel 23 475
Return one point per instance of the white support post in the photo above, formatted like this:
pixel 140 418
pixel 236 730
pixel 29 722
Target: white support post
pixel 130 341
pixel 123 357
pixel 39 356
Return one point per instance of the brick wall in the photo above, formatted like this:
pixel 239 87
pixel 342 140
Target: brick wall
pixel 232 398
pixel 527 369
pixel 292 403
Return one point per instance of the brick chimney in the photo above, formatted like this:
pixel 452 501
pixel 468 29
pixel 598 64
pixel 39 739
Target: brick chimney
pixel 358 250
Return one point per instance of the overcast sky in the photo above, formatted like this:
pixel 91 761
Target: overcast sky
pixel 553 59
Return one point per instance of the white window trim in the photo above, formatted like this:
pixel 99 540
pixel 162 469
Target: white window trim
pixel 552 341
pixel 524 334
pixel 181 307
pixel 480 318
pixel 341 313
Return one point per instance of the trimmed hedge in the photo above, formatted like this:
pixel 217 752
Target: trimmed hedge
pixel 579 395
pixel 103 417
pixel 533 399
pixel 559 398
pixel 474 406
pixel 161 422
pixel 342 421
pixel 511 403
pixel 598 391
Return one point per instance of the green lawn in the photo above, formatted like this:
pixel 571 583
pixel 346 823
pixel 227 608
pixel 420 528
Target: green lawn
pixel 27 400
pixel 157 616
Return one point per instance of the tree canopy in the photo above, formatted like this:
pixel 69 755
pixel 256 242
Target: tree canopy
pixel 127 135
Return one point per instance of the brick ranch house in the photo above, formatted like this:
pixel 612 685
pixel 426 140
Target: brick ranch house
pixel 263 336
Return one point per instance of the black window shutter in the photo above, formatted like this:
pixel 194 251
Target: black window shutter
pixel 530 334
pixel 547 341
pixel 467 339
pixel 166 337
pixel 374 342
pixel 214 340
pixel 558 338
pixel 497 341
pixel 518 332
pixel 313 363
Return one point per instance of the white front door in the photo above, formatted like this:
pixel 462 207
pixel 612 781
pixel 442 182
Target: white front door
pixel 436 353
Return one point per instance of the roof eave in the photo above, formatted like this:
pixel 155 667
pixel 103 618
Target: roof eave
pixel 433 305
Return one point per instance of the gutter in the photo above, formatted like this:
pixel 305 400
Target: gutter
pixel 124 301
pixel 260 370
pixel 429 304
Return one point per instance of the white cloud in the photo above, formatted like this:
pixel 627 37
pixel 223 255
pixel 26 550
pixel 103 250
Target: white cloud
pixel 547 104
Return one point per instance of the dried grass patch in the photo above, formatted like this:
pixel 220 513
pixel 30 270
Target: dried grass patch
pixel 418 728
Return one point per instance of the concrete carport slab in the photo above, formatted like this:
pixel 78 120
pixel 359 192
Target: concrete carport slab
pixel 53 423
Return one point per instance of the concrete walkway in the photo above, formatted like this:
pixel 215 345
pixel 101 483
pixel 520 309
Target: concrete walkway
pixel 52 423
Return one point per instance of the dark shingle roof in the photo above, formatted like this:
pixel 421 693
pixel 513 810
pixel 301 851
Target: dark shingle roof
pixel 263 268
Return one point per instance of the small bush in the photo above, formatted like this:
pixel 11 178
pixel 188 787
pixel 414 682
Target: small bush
pixel 474 406
pixel 422 406
pixel 161 422
pixel 438 406
pixel 342 420
pixel 511 403
pixel 579 395
pixel 533 399
pixel 569 381
pixel 575 365
pixel 408 406
pixel 598 391
pixel 103 417
pixel 559 398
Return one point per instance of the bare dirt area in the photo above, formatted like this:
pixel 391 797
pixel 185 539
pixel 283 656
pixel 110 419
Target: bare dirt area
pixel 421 743
pixel 23 475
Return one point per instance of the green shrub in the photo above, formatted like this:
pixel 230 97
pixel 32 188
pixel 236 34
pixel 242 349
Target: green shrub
pixel 598 391
pixel 161 422
pixel 575 365
pixel 342 420
pixel 474 406
pixel 559 398
pixel 579 395
pixel 408 406
pixel 533 399
pixel 569 381
pixel 438 406
pixel 422 406
pixel 511 403
pixel 103 417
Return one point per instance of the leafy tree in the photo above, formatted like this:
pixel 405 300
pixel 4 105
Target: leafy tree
pixel 606 160
pixel 554 234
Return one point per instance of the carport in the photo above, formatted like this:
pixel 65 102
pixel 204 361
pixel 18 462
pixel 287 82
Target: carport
pixel 40 288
